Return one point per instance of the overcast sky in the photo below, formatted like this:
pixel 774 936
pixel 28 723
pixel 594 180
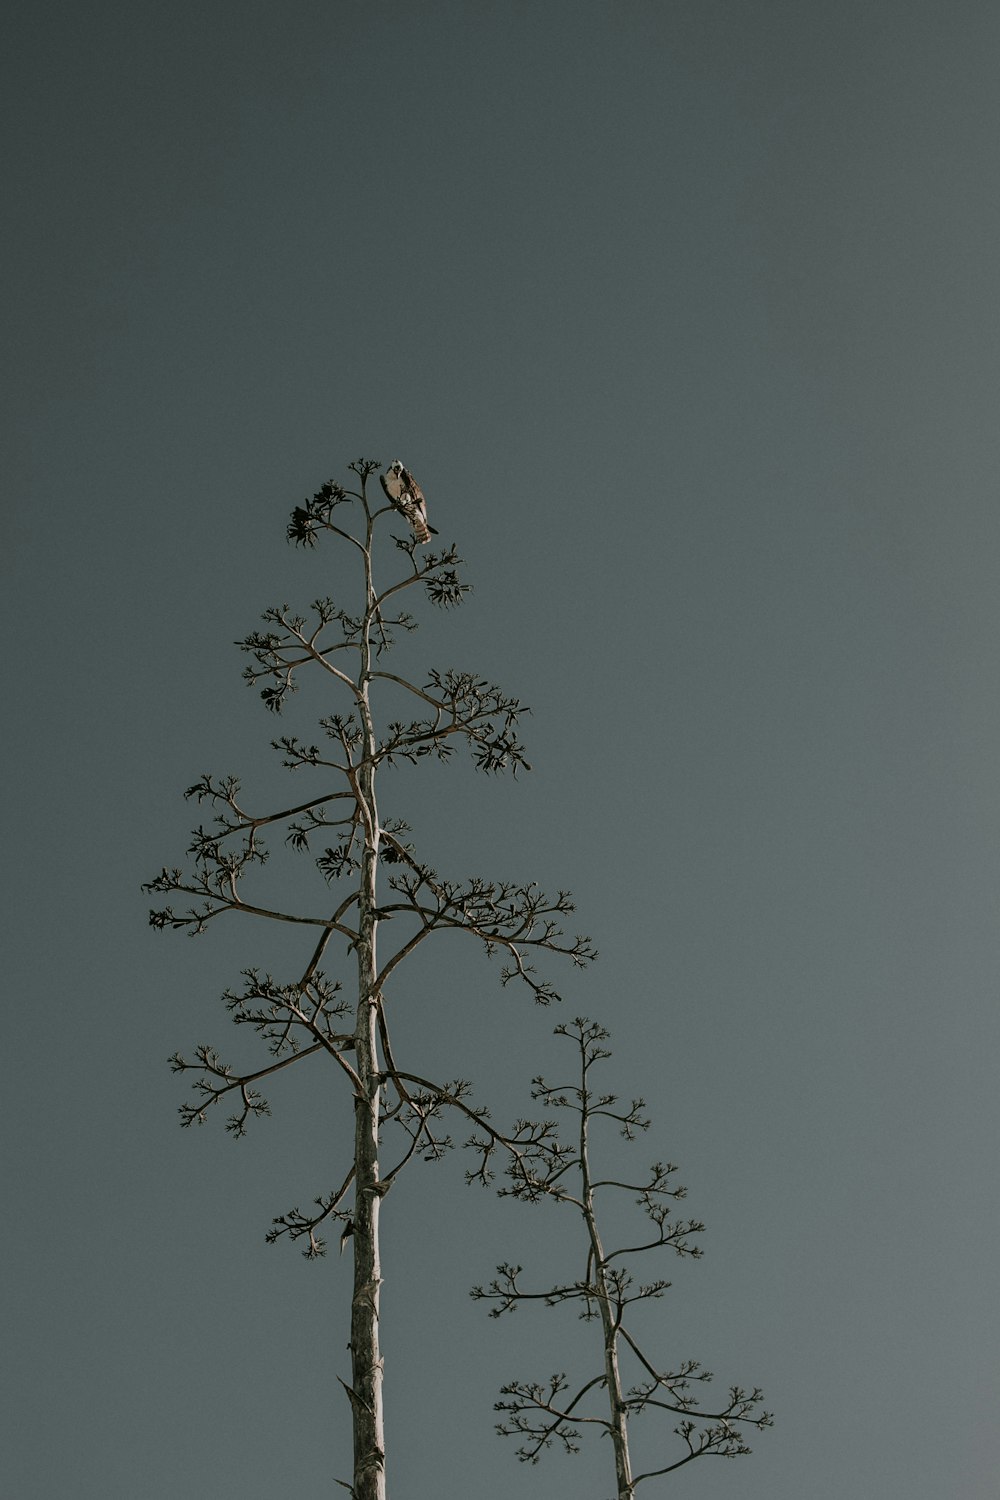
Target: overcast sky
pixel 684 313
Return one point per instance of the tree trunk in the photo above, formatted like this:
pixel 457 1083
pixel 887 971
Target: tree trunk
pixel 612 1374
pixel 366 1357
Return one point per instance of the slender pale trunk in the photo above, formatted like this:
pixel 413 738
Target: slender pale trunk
pixel 366 1358
pixel 612 1375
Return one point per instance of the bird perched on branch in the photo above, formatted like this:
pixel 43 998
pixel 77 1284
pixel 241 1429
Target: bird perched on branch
pixel 408 498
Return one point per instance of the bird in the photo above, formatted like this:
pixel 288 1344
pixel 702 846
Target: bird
pixel 408 498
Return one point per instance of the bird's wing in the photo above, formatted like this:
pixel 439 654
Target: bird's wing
pixel 392 486
pixel 416 494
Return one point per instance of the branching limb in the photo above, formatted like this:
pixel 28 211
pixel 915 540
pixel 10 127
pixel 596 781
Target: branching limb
pixel 218 1080
pixel 295 1224
pixel 531 1397
pixel 463 705
pixel 499 914
pixel 279 1013
pixel 721 1438
pixel 221 896
pixel 507 1293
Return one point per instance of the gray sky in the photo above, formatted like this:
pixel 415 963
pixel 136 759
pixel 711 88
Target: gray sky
pixel 684 314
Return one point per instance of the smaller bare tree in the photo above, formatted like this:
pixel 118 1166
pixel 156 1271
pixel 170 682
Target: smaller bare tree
pixel 556 1409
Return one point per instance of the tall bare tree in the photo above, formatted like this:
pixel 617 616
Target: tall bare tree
pixel 544 1165
pixel 378 876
